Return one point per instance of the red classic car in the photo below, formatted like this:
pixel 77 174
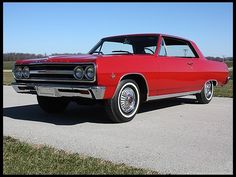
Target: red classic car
pixel 121 72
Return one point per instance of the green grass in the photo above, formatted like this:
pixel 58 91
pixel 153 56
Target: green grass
pixel 229 63
pixel 231 74
pixel 7 78
pixel 8 64
pixel 23 158
pixel 225 91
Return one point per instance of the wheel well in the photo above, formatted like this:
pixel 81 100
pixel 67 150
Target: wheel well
pixel 214 82
pixel 139 79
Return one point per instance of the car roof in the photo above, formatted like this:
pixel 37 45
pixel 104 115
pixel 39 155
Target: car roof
pixel 148 34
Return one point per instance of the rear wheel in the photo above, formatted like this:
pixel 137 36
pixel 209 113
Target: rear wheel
pixel 125 103
pixel 205 96
pixel 52 104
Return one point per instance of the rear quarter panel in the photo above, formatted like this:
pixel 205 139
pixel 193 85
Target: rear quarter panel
pixel 212 70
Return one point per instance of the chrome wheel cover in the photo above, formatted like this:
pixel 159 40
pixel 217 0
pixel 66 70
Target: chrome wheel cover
pixel 208 90
pixel 128 100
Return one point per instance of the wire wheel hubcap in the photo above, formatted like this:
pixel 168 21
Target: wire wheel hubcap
pixel 128 100
pixel 208 90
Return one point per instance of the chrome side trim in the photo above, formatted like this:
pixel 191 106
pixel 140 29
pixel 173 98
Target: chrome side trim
pixel 172 95
pixel 56 90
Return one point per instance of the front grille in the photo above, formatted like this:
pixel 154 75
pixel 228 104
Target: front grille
pixel 55 73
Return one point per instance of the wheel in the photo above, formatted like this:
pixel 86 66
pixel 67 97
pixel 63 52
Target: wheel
pixel 52 104
pixel 125 103
pixel 205 96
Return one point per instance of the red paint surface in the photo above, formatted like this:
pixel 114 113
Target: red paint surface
pixel 164 75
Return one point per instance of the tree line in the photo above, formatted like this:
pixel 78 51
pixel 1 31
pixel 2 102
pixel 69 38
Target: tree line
pixel 220 58
pixel 19 56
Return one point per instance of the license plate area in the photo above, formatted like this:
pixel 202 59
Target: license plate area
pixel 46 91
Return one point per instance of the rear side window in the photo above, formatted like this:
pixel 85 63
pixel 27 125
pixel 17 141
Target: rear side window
pixel 177 48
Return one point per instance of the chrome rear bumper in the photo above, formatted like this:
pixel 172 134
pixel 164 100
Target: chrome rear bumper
pixel 57 90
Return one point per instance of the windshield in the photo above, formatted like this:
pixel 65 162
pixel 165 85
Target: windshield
pixel 126 45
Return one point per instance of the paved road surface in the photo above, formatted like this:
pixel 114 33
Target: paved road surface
pixel 174 136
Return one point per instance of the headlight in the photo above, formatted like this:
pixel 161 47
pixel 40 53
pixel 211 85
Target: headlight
pixel 89 72
pixel 79 73
pixel 18 72
pixel 26 72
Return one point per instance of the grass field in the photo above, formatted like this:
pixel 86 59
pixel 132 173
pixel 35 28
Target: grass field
pixel 23 158
pixel 7 78
pixel 225 91
pixel 8 64
pixel 229 63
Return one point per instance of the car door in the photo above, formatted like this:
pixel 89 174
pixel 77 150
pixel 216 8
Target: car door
pixel 175 67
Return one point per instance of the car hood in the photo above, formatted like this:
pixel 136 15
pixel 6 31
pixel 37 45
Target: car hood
pixel 86 58
pixel 61 59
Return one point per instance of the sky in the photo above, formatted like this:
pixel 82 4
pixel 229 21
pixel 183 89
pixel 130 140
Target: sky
pixel 46 28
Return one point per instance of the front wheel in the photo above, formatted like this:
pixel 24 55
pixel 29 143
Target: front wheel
pixel 125 103
pixel 205 96
pixel 51 104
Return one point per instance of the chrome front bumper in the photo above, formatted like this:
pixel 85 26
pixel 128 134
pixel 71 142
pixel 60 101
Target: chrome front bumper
pixel 56 90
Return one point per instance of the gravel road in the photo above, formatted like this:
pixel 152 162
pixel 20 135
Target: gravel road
pixel 174 136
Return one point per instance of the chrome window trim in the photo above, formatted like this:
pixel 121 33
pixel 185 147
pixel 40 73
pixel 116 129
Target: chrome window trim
pixel 196 55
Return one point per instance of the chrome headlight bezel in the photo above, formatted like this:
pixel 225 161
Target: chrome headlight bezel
pixel 17 72
pixel 87 70
pixel 81 70
pixel 26 72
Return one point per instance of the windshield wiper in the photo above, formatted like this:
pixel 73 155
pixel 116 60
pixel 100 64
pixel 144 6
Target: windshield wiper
pixel 115 51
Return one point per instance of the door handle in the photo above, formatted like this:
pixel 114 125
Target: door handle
pixel 190 63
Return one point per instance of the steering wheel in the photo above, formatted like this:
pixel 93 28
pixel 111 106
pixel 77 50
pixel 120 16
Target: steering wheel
pixel 149 50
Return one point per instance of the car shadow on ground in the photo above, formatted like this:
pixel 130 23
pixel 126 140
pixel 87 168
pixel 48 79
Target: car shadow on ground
pixel 75 114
